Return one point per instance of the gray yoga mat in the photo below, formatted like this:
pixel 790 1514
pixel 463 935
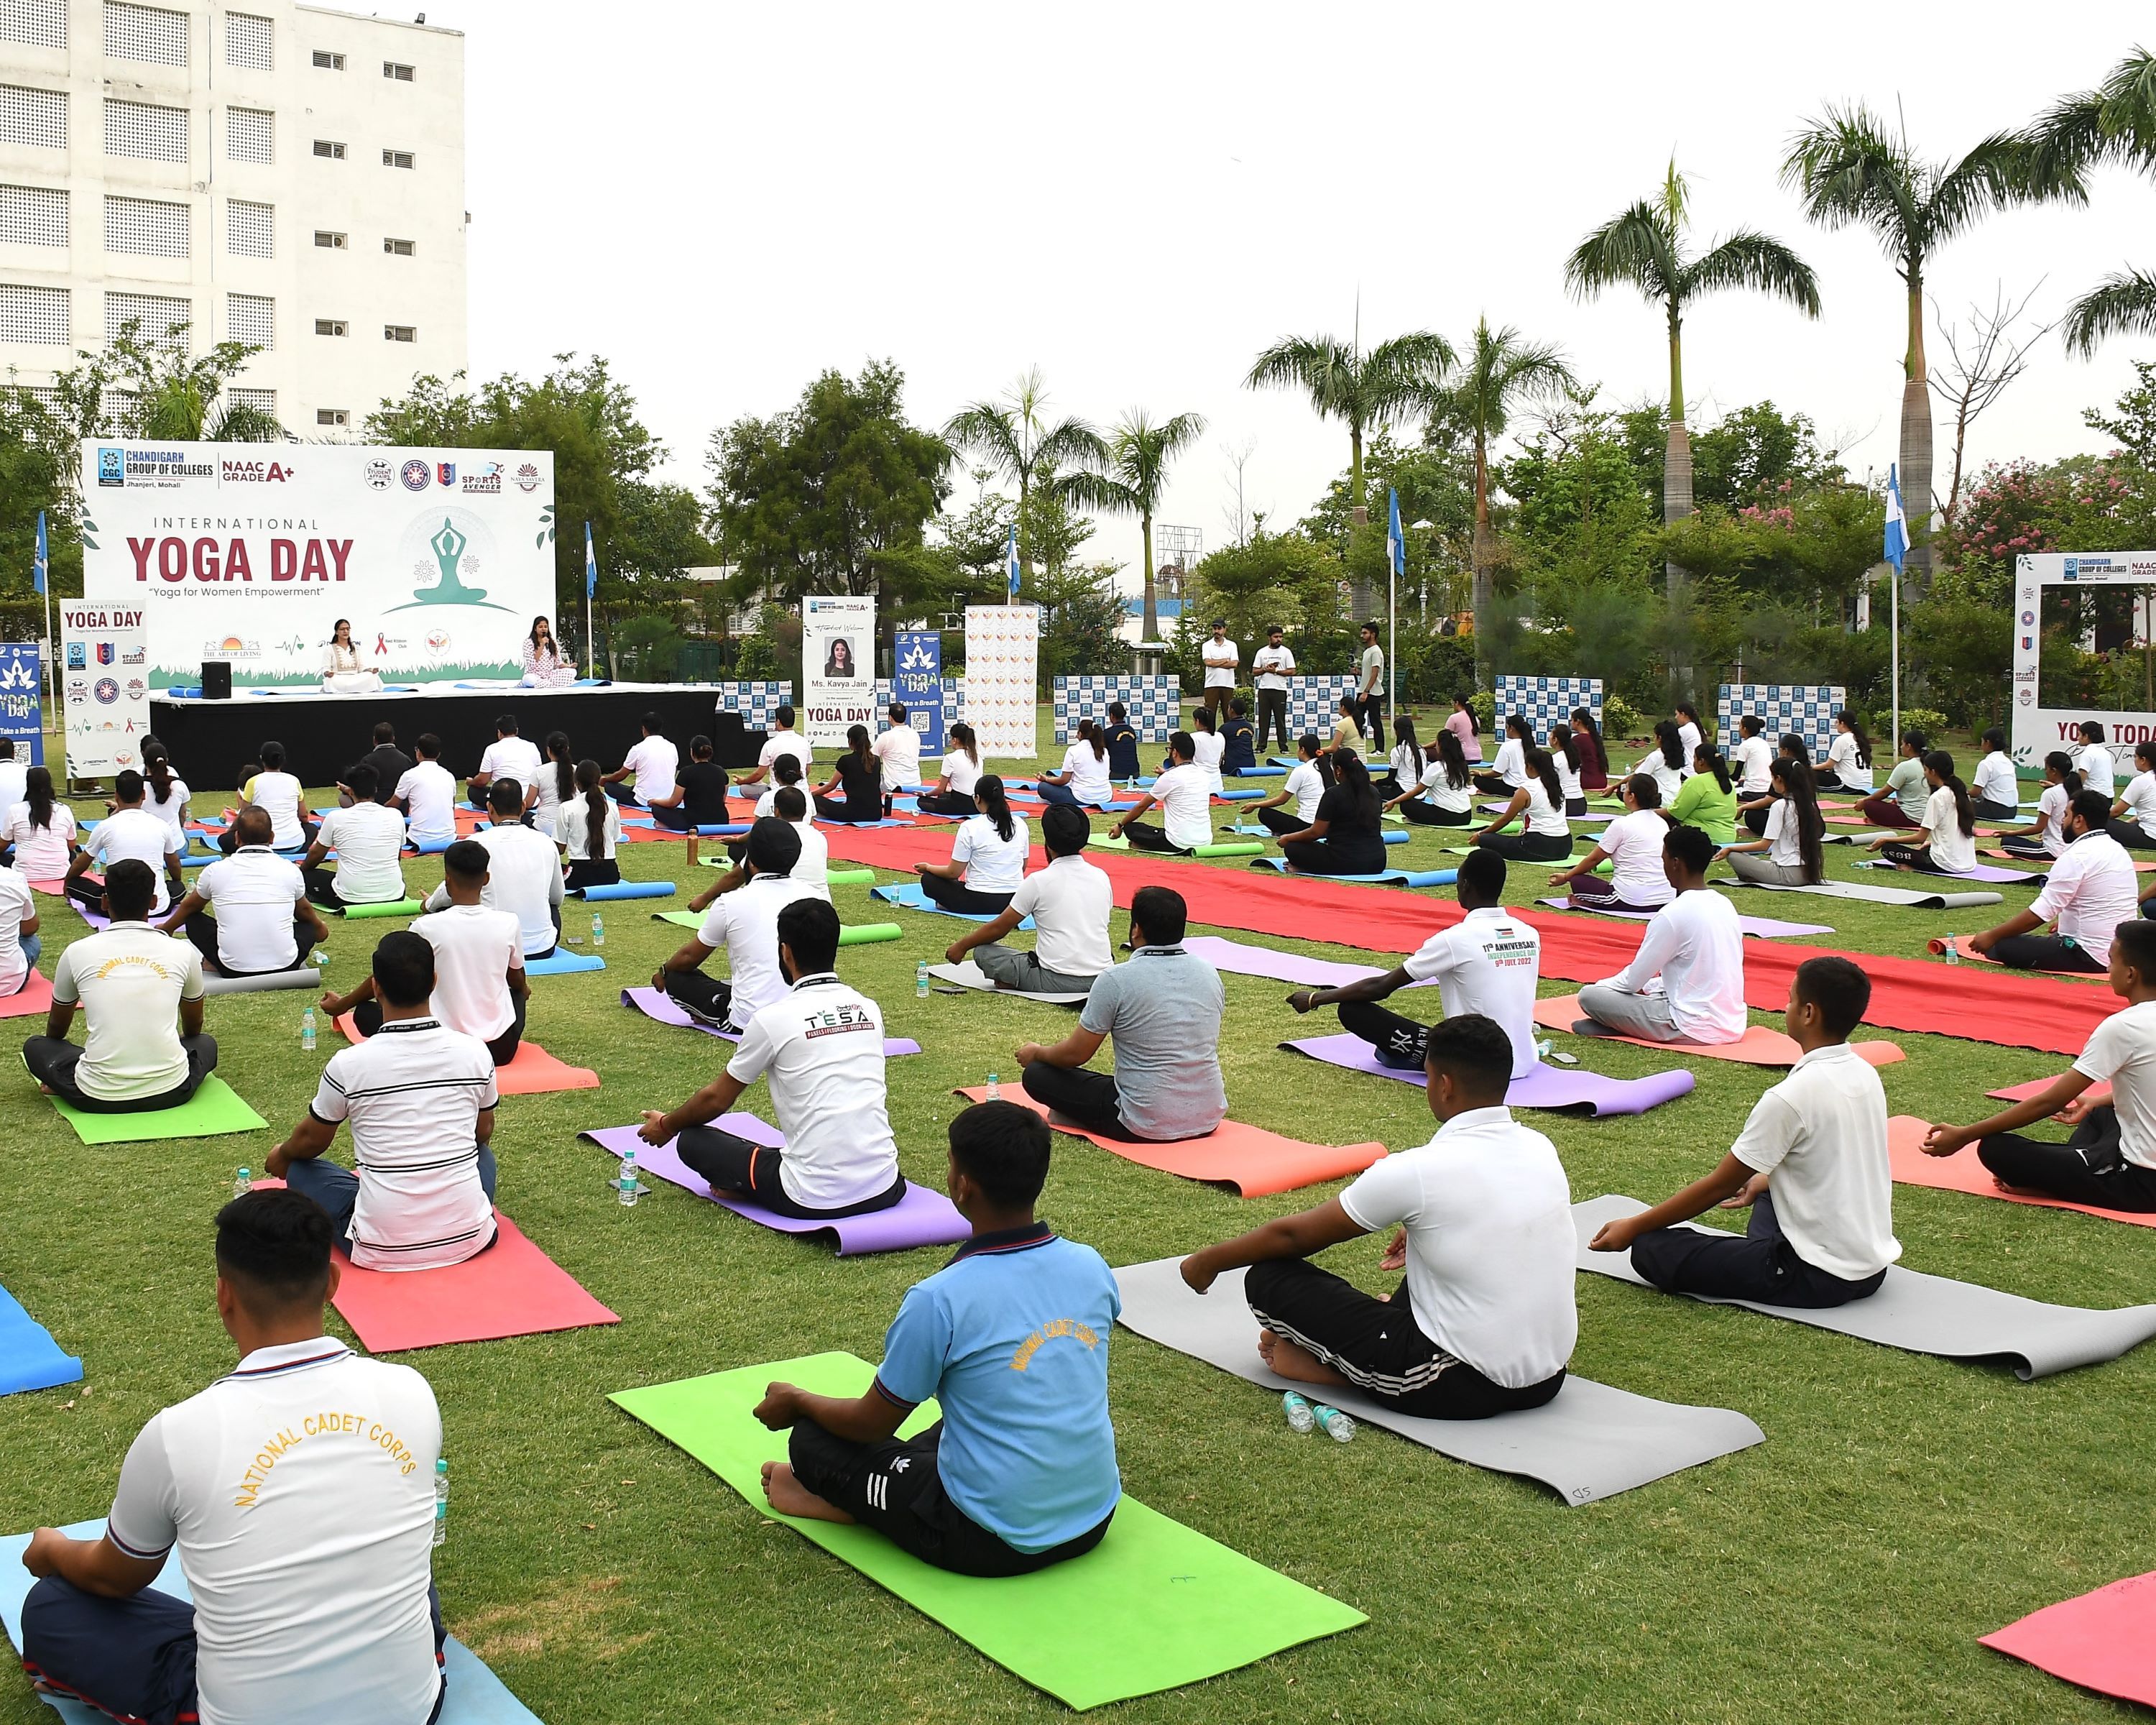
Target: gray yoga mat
pixel 968 976
pixel 306 976
pixel 1591 1442
pixel 1927 1314
pixel 1875 895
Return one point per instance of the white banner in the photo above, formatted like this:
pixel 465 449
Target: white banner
pixel 838 667
pixel 105 687
pixel 250 554
pixel 2039 729
pixel 1002 654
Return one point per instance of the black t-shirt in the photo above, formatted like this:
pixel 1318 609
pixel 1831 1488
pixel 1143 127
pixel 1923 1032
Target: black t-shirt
pixel 390 764
pixel 1238 742
pixel 861 783
pixel 703 794
pixel 1122 752
pixel 1347 817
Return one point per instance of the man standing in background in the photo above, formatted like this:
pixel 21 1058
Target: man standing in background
pixel 1370 687
pixel 1273 664
pixel 1220 657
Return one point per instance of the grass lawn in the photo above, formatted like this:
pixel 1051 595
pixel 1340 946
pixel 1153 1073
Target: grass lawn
pixel 1900 1507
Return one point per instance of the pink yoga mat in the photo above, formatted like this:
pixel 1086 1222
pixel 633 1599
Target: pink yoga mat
pixel 922 1218
pixel 1962 1171
pixel 2037 1087
pixel 1758 1046
pixel 663 1008
pixel 2103 1641
pixel 1765 928
pixel 512 1289
pixel 1558 1088
pixel 34 996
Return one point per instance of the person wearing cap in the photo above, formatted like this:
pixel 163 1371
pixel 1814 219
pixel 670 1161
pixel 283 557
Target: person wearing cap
pixel 743 921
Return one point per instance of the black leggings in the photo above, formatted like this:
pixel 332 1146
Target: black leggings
pixel 593 872
pixel 838 808
pixel 957 896
pixel 742 1169
pixel 367 1019
pixel 1280 821
pixel 1421 812
pixel 945 802
pixel 1145 836
pixel 1913 856
pixel 1528 847
pixel 2046 952
pixel 2087 1168
pixel 1334 857
pixel 1399 1042
pixel 2129 833
pixel 1985 810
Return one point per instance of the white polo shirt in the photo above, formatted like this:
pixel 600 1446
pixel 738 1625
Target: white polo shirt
pixel 1841 756
pixel 994 863
pixel 1753 758
pixel 2122 1053
pixel 429 796
pixel 1274 665
pixel 1951 849
pixel 523 877
pixel 15 783
pixel 1491 1244
pixel 2098 771
pixel 137 835
pixel 2139 797
pixel 251 893
pixel 1544 818
pixel 821 1046
pixel 1220 658
pixel 744 925
pixel 1633 843
pixel 17 905
pixel 781 742
pixel 2090 890
pixel 813 869
pixel 281 796
pixel 1486 962
pixel 172 811
pixel 413 1092
pixel 515 757
pixel 1668 780
pixel 368 839
pixel 1785 842
pixel 962 770
pixel 1306 785
pixel 1088 775
pixel 1695 946
pixel 652 765
pixel 1821 1135
pixel 1438 790
pixel 476 948
pixel 898 747
pixel 1185 795
pixel 41 853
pixel 1069 901
pixel 1512 762
pixel 130 980
pixel 300 1491
pixel 1688 734
pixel 571 829
pixel 1207 750
pixel 1993 781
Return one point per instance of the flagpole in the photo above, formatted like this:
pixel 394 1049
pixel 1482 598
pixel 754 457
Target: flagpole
pixel 591 583
pixel 51 655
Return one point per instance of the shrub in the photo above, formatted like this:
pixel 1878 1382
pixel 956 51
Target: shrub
pixel 1620 718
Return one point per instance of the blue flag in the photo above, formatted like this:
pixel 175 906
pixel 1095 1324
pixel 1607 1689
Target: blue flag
pixel 1010 562
pixel 1897 525
pixel 591 564
pixel 37 568
pixel 1396 549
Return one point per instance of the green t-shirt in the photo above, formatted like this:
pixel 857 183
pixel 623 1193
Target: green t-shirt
pixel 1701 803
pixel 1905 785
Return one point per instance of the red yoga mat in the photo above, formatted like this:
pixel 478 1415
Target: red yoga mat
pixel 1758 1046
pixel 2037 1087
pixel 534 1071
pixel 2103 1641
pixel 34 996
pixel 1255 1162
pixel 1938 949
pixel 512 1289
pixel 1980 1003
pixel 1963 1172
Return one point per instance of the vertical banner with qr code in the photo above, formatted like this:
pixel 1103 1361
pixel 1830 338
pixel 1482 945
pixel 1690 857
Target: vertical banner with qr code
pixel 1002 652
pixel 105 687
pixel 22 715
pixel 916 684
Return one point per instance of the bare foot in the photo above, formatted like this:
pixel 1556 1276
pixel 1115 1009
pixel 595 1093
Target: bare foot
pixel 2019 1191
pixel 790 1497
pixel 1294 1363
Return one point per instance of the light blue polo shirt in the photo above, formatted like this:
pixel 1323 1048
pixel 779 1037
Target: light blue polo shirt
pixel 1011 1338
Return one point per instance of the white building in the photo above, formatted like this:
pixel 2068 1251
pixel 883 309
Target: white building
pixel 267 173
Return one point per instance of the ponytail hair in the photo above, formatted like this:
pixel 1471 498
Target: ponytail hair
pixel 961 733
pixel 595 806
pixel 2059 762
pixel 1856 730
pixel 1942 763
pixel 1672 743
pixel 1584 718
pixel 1521 726
pixel 1707 758
pixel 1561 738
pixel 857 742
pixel 157 768
pixel 37 792
pixel 1453 759
pixel 1352 774
pixel 1202 717
pixel 989 794
pixel 1089 730
pixel 1800 802
pixel 1539 764
pixel 565 770
pixel 1646 789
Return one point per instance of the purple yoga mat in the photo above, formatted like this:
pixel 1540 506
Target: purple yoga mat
pixel 1983 871
pixel 1550 1087
pixel 922 1218
pixel 1242 959
pixel 1766 928
pixel 666 1010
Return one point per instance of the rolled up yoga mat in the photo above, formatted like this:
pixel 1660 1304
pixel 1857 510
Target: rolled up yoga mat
pixel 1231 847
pixel 859 934
pixel 306 977
pixel 850 877
pixel 392 907
pixel 627 889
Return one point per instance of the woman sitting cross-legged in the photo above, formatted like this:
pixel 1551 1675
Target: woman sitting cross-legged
pixel 859 772
pixel 1546 835
pixel 1346 837
pixel 987 858
pixel 1444 796
pixel 1796 831
pixel 1632 845
pixel 1947 844
pixel 1707 799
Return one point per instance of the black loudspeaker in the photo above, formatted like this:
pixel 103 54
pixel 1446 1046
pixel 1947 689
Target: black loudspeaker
pixel 217 680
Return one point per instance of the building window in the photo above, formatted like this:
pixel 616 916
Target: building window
pixel 123 412
pixel 396 158
pixel 36 117
pixel 250 135
pixel 263 401
pixel 400 332
pixel 147 134
pixel 252 318
pixel 247 41
pixel 328 327
pixel 329 151
pixel 399 248
pixel 329 242
pixel 331 416
pixel 147 33
pixel 160 321
pixel 34 315
pixel 396 69
pixel 325 61
pixel 143 228
pixel 250 229
pixel 34 215
pixel 34 23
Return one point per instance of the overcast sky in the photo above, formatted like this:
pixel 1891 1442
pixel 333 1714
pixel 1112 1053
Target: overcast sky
pixel 726 199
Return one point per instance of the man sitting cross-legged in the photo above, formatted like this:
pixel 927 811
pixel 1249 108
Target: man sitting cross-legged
pixel 479 986
pixel 1812 1164
pixel 1184 792
pixel 140 993
pixel 368 837
pixel 2090 890
pixel 129 830
pixel 1486 963
pixel 310 1564
pixel 420 1097
pixel 821 1046
pixel 1162 1007
pixel 1687 982
pixel 2110 1161
pixel 1069 901
pixel 744 920
pixel 1485 1322
pixel 1011 1339
pixel 247 913
pixel 523 872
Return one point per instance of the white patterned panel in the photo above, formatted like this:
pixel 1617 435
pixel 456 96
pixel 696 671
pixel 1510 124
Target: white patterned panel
pixel 1547 701
pixel 1002 670
pixel 1806 708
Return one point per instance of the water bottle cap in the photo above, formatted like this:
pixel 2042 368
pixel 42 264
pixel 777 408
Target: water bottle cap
pixel 441 1463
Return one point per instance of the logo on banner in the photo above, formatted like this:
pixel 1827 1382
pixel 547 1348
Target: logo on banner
pixel 446 471
pixel 415 474
pixel 107 691
pixel 378 473
pixel 18 672
pixel 254 472
pixel 527 476
pixel 105 653
pixel 487 481
pixel 438 640
pixel 78 655
pixel 111 467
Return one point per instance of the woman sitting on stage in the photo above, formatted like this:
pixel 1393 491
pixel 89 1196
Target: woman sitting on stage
pixel 545 666
pixel 343 671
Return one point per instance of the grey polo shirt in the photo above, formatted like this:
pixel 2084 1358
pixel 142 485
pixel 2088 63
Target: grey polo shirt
pixel 1162 1008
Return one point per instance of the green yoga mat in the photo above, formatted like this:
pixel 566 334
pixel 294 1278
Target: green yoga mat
pixel 395 907
pixel 833 877
pixel 853 934
pixel 215 1107
pixel 1155 1605
pixel 1235 847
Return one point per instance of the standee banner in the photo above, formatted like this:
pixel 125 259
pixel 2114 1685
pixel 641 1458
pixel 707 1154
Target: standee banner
pixel 2039 729
pixel 1003 655
pixel 105 687
pixel 916 684
pixel 838 667
pixel 250 553
pixel 22 715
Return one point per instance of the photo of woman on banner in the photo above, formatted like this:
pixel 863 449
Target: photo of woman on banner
pixel 838 665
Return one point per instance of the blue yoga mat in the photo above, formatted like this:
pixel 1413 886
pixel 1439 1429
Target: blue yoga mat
pixel 1262 832
pixel 1261 772
pixel 1391 877
pixel 563 962
pixel 627 889
pixel 909 895
pixel 431 847
pixel 30 1357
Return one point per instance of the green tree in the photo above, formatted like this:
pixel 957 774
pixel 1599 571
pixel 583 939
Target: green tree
pixel 1132 480
pixel 1758 454
pixel 2115 122
pixel 1011 437
pixel 1643 248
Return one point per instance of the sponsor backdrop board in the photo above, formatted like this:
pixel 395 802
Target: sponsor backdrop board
pixel 838 667
pixel 22 711
pixel 1003 653
pixel 105 687
pixel 250 553
pixel 916 684
pixel 2039 729
pixel 1805 709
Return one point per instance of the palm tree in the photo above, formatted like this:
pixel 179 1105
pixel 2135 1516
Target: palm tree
pixel 1850 168
pixel 2115 122
pixel 1131 478
pixel 2121 304
pixel 1643 248
pixel 1501 369
pixel 1010 435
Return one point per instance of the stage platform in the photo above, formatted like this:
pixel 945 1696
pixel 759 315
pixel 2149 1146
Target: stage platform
pixel 323 734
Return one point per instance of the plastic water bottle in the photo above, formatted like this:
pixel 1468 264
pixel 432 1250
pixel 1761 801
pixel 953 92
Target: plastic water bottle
pixel 307 1031
pixel 1543 1048
pixel 625 1186
pixel 599 929
pixel 1299 1415
pixel 995 1088
pixel 921 980
pixel 1335 1424
pixel 442 1500
pixel 243 1182
pixel 1953 954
